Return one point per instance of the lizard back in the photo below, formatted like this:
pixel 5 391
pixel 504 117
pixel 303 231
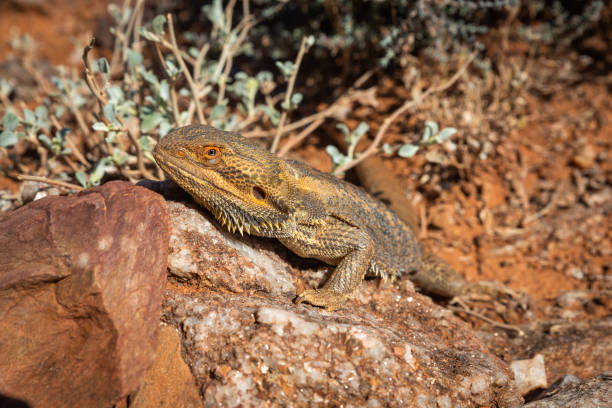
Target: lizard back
pixel 397 250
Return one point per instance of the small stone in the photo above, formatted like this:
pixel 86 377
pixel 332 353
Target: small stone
pixel 585 158
pixel 529 374
pixel 222 370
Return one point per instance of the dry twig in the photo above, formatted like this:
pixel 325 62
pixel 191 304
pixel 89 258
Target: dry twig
pixel 46 180
pixel 373 147
pixel 281 123
pixel 102 101
pixel 179 58
pixel 486 319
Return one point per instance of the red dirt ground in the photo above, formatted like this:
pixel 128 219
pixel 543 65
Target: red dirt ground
pixel 534 215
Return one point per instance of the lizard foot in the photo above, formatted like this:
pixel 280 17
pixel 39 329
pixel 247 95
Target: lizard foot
pixel 326 298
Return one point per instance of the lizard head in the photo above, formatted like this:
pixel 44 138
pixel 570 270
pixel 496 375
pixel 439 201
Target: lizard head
pixel 239 181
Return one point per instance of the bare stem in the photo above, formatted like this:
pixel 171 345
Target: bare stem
pixel 373 147
pixel 319 115
pixel 230 57
pixel 179 58
pixel 75 108
pixel 281 123
pixel 294 141
pixel 102 101
pixel 50 181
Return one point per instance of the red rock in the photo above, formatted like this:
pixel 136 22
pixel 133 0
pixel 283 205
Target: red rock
pixel 169 382
pixel 81 281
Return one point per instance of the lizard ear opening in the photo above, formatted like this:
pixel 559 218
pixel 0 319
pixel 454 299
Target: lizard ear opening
pixel 259 193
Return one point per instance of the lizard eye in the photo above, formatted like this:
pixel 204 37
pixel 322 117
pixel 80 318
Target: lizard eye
pixel 259 193
pixel 211 152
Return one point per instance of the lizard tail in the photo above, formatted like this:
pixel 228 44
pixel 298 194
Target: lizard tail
pixel 437 277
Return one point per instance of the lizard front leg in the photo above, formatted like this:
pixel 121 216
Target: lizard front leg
pixel 336 243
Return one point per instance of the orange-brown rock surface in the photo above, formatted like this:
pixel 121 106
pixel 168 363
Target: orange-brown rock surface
pixel 81 280
pixel 248 344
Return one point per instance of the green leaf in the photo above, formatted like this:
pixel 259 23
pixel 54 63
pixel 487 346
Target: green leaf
pixel 164 91
pixel 110 112
pixel 111 136
pixel 272 113
pixel 5 87
pixel 158 24
pixel 173 69
pixel 150 122
pixel 144 143
pixel 7 138
pixel 431 128
pixel 134 59
pixel 296 98
pixel 337 157
pixel 264 76
pixel 164 128
pixel 96 175
pixel 215 14
pixel 119 156
pixel 148 76
pixel 59 111
pixel 149 156
pixel 387 148
pixel 28 117
pixel 10 121
pixel 81 178
pixel 344 129
pixel 286 68
pixel 41 112
pixel 361 130
pixel 149 35
pixel 115 94
pixel 407 150
pixel 45 140
pixel 218 112
pixel 103 66
pixel 445 134
pixel 100 127
pixel 310 40
pixel 42 117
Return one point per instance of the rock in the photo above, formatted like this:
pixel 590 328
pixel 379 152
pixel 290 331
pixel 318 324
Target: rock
pixel 529 374
pixel 201 251
pixel 169 382
pixel 248 344
pixel 585 157
pixel 596 392
pixel 582 348
pixel 29 189
pixel 81 281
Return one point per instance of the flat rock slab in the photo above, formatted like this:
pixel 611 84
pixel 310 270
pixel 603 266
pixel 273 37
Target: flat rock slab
pixel 248 344
pixel 81 282
pixel 595 392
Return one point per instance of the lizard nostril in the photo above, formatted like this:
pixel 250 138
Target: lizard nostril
pixel 259 193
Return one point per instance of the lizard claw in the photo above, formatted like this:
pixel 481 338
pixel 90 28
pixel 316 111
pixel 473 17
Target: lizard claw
pixel 326 298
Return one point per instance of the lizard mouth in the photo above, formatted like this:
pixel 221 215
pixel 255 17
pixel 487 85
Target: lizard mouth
pixel 228 207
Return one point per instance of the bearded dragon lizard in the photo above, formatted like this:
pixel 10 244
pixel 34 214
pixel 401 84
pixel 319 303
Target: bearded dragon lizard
pixel 314 214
